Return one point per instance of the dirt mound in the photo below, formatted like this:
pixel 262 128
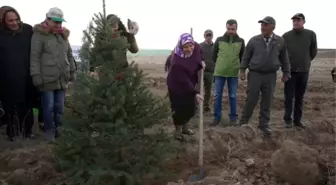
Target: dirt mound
pixel 27 166
pixel 237 156
pixel 298 164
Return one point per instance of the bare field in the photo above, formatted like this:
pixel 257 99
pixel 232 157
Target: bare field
pixel 233 145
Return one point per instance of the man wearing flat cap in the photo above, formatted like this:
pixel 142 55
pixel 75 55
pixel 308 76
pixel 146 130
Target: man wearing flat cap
pixel 264 55
pixel 207 46
pixel 302 49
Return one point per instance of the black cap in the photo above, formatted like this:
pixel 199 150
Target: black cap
pixel 299 16
pixel 267 20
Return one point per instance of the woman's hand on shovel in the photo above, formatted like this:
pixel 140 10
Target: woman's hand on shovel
pixel 199 98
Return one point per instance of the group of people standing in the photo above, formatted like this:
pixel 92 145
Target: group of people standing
pixel 226 61
pixel 36 66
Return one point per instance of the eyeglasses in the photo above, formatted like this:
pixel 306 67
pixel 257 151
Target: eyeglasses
pixel 208 35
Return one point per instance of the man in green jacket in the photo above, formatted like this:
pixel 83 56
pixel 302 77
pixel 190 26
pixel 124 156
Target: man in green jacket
pixel 210 65
pixel 227 53
pixel 52 67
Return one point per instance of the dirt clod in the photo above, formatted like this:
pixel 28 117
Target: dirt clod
pixel 297 164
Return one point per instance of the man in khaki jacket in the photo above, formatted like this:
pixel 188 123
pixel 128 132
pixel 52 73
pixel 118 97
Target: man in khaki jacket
pixel 52 67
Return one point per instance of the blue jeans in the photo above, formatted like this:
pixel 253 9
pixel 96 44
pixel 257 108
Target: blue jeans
pixel 53 107
pixel 232 89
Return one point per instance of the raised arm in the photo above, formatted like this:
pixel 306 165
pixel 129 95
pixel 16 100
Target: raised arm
pixel 248 52
pixel 133 44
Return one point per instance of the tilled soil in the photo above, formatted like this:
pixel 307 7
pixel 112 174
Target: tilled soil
pixel 233 156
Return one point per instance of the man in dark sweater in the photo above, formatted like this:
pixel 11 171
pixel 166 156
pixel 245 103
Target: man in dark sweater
pixel 263 56
pixel 302 49
pixel 206 47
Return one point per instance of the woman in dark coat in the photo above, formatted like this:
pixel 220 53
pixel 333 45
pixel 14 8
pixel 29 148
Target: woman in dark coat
pixel 181 80
pixel 17 92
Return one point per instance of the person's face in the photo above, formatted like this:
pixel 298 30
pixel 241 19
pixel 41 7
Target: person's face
pixel 267 29
pixel 12 21
pixel 188 48
pixel 54 25
pixel 208 37
pixel 231 29
pixel 298 23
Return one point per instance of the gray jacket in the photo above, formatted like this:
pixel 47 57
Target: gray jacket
pixel 260 59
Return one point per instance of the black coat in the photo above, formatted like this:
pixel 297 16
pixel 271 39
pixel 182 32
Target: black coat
pixel 16 85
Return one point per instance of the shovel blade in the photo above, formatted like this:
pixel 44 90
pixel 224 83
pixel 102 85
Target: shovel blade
pixel 199 177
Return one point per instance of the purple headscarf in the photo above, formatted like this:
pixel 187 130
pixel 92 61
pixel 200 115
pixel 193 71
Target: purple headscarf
pixel 184 38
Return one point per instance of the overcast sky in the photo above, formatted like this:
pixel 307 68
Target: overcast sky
pixel 162 21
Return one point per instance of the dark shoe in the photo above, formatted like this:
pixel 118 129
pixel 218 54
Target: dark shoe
pixel 207 109
pixel 10 139
pixel 41 126
pixel 266 131
pixel 57 134
pixel 178 136
pixel 233 123
pixel 49 135
pixel 300 125
pixel 215 123
pixel 288 124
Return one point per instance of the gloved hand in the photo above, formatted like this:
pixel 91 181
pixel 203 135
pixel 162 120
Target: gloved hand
pixel 132 26
pixel 37 80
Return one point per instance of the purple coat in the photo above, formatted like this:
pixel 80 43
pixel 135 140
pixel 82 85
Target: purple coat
pixel 183 74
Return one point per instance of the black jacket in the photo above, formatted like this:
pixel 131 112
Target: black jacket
pixel 16 85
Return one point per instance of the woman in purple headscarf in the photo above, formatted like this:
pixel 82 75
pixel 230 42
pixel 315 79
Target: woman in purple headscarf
pixel 186 62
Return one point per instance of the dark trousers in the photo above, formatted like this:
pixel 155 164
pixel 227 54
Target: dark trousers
pixel 208 81
pixel 257 83
pixel 183 107
pixel 295 88
pixel 40 114
pixel 19 120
